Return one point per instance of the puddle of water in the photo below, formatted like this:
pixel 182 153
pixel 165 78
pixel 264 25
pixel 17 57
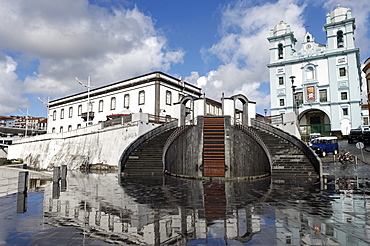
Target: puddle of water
pixel 170 211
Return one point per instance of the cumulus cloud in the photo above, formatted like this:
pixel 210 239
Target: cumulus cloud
pixel 11 88
pixel 74 38
pixel 244 50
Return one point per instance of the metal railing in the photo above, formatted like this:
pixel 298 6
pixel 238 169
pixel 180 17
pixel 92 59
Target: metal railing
pixel 143 138
pixel 159 119
pixel 310 154
pixel 323 129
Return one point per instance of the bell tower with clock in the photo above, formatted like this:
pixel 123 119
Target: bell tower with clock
pixel 326 94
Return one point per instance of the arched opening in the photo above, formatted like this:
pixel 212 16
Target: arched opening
pixel 243 115
pixel 314 121
pixel 186 110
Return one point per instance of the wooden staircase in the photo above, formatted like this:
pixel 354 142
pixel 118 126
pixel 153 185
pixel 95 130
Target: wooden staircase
pixel 214 147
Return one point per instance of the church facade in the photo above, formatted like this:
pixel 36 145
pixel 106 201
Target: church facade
pixel 320 83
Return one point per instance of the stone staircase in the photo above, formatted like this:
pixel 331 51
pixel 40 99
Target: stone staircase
pixel 287 159
pixel 146 160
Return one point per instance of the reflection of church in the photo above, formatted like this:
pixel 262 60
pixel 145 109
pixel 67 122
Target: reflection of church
pixel 326 78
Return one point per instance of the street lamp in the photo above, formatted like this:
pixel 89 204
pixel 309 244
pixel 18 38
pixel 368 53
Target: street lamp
pixel 294 99
pixel 26 114
pixel 88 86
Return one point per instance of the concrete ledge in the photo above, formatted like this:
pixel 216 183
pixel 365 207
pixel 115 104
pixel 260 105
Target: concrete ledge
pixel 220 178
pixel 7 172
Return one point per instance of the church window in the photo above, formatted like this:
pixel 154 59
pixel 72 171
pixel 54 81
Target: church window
pixel 113 103
pixel 308 38
pixel 101 104
pixel 69 128
pixel 61 129
pixel 282 103
pixel 343 96
pixel 340 39
pixel 280 51
pixel 310 73
pixel 323 95
pixel 281 80
pixel 53 130
pixel 342 72
pixel 126 101
pixel 345 111
pixel 299 98
pixel 62 113
pixel 54 115
pixel 141 97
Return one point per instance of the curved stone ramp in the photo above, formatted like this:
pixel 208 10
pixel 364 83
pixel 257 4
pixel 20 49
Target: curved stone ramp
pixel 291 156
pixel 144 156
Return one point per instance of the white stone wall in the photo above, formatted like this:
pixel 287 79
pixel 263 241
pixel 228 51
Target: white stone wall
pixel 77 148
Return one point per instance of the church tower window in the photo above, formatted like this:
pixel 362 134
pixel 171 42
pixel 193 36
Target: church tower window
pixel 280 51
pixel 340 39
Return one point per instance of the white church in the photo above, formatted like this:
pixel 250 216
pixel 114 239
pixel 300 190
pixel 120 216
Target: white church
pixel 324 79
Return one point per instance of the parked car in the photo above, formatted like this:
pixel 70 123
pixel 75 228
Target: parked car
pixel 355 135
pixel 324 145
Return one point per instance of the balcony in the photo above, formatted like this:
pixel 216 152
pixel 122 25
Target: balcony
pixel 91 116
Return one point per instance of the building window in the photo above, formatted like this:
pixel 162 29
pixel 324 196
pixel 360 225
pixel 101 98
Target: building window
pixel 280 51
pixel 340 43
pixel 282 103
pixel 299 98
pixel 323 95
pixel 342 72
pixel 168 97
pixel 366 121
pixel 141 97
pixel 69 128
pixel 53 130
pixel 101 106
pixel 345 111
pixel 54 115
pixel 61 129
pixel 90 107
pixel 79 110
pixel 70 112
pixel 126 101
pixel 281 80
pixel 78 126
pixel 343 96
pixel 310 73
pixel 113 103
pixel 62 113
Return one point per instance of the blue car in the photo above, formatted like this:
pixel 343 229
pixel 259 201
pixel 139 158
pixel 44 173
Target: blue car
pixel 324 145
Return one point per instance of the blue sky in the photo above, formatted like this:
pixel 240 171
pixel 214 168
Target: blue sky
pixel 218 45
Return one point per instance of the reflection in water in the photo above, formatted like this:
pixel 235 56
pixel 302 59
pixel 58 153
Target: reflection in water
pixel 170 211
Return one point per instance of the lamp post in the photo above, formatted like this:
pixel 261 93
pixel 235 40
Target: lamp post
pixel 26 114
pixel 88 86
pixel 294 98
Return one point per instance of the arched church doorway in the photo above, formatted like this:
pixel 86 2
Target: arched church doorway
pixel 314 121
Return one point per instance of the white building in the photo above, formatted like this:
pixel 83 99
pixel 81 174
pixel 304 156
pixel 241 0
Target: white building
pixel 327 78
pixel 154 93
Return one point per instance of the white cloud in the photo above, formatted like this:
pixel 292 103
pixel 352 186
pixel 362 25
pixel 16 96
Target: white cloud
pixel 11 89
pixel 244 48
pixel 71 38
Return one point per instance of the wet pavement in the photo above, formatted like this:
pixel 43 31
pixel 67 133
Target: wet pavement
pixel 102 209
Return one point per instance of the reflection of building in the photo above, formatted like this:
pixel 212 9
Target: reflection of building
pixel 366 70
pixel 327 78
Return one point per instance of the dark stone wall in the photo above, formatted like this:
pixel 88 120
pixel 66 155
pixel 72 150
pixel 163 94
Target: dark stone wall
pixel 247 157
pixel 184 156
pixel 244 157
